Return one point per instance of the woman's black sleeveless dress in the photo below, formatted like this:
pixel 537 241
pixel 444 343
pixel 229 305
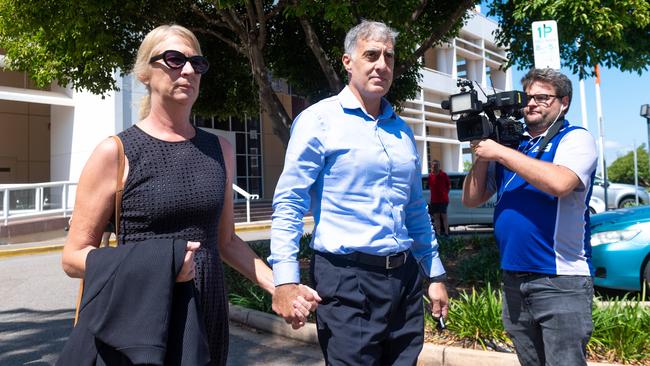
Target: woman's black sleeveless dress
pixel 176 190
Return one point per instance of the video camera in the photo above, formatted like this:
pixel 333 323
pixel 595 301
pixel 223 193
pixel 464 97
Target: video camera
pixel 472 125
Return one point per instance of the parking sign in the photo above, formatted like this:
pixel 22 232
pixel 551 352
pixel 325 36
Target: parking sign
pixel 545 44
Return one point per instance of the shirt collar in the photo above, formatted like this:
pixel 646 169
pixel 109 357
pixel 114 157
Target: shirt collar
pixel 349 101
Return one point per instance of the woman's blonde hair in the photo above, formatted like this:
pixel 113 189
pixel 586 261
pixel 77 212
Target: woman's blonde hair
pixel 142 67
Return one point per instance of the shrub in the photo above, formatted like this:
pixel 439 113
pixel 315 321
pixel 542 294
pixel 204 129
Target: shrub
pixel 622 331
pixel 476 315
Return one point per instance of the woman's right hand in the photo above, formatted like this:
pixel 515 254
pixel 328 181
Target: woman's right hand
pixel 187 271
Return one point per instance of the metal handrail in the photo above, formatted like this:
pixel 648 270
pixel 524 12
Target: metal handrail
pixel 39 208
pixel 248 198
pixel 40 205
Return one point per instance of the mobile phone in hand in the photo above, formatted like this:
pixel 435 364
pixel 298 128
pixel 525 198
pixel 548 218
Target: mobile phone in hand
pixel 440 325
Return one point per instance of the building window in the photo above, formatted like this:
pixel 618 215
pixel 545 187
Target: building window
pixel 461 68
pixel 248 149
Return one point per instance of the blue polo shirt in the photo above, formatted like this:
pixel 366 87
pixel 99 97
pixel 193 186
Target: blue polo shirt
pixel 536 231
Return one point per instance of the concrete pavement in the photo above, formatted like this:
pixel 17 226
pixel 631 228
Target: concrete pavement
pixel 434 355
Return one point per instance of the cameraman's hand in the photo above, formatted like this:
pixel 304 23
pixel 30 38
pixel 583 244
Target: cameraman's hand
pixel 488 149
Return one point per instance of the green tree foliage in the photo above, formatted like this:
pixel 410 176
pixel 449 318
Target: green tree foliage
pixel 607 32
pixel 249 42
pixel 82 43
pixel 622 169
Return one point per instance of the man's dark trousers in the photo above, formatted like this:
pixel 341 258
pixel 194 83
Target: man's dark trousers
pixel 369 315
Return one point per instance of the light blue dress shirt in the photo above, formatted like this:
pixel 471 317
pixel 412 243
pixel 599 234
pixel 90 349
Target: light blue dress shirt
pixel 361 178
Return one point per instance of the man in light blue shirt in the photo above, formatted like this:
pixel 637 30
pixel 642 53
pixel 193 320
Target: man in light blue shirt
pixel 353 162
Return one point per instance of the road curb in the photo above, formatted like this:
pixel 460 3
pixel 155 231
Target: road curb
pixel 272 324
pixel 431 355
pixel 6 253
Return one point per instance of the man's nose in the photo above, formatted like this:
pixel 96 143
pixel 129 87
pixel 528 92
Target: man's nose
pixel 381 63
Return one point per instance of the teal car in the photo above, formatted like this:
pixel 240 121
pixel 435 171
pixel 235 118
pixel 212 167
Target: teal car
pixel 620 241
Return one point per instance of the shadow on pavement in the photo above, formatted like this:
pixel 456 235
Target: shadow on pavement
pixel 33 337
pixel 252 347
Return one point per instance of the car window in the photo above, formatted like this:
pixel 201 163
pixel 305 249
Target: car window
pixel 455 180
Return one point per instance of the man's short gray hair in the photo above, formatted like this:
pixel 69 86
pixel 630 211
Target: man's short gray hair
pixel 558 80
pixel 368 30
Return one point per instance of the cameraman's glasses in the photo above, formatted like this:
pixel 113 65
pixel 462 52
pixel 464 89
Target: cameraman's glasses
pixel 544 99
pixel 176 60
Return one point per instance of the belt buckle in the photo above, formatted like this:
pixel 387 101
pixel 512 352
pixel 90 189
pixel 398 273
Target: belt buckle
pixel 388 266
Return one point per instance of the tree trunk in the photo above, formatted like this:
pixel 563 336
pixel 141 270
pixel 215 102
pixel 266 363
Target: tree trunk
pixel 269 101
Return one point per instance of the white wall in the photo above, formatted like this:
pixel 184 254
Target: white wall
pixel 76 131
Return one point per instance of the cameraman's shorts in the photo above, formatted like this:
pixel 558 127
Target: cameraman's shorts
pixel 438 208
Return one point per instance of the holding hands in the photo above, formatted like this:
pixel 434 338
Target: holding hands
pixel 294 302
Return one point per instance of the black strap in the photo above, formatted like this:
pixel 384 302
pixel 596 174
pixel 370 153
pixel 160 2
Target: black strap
pixel 551 132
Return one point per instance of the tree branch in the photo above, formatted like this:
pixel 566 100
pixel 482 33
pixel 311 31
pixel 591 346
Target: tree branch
pixel 261 19
pixel 222 38
pixel 233 23
pixel 436 35
pixel 213 32
pixel 418 11
pixel 277 9
pixel 314 44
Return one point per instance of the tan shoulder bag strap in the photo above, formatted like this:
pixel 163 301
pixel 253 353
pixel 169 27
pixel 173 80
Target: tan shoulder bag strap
pixel 119 188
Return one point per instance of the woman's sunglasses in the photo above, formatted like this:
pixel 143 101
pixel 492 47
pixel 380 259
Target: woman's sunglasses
pixel 176 60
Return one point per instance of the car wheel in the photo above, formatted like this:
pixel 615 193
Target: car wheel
pixel 627 202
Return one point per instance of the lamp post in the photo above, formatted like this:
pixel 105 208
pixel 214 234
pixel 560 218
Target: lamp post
pixel 645 112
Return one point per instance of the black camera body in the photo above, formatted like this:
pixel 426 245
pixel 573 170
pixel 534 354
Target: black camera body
pixel 478 119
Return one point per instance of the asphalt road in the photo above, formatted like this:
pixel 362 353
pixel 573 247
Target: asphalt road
pixel 36 310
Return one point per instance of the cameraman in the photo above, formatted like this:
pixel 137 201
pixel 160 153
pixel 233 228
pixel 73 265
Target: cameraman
pixel 541 224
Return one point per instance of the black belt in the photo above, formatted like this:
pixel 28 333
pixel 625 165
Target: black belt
pixel 384 261
pixel 519 274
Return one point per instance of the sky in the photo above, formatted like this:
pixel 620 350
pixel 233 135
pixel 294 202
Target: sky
pixel 622 94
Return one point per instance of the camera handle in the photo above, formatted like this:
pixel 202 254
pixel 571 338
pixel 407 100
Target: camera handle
pixel 552 131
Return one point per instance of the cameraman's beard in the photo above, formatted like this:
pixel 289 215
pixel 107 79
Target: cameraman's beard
pixel 539 127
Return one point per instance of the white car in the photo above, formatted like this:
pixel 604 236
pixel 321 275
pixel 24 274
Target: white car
pixel 458 214
pixel 619 195
pixel 596 205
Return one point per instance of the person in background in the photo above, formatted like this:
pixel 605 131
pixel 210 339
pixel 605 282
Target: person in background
pixel 439 186
pixel 541 224
pixel 177 184
pixel 353 161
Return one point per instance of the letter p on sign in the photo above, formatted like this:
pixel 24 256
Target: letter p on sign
pixel 545 44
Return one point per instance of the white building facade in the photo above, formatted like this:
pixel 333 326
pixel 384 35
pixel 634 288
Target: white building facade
pixel 473 55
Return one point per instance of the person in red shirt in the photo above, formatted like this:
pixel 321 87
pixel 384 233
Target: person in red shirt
pixel 439 186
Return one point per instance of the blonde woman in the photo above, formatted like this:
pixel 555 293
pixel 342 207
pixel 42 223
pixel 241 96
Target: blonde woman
pixel 177 184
